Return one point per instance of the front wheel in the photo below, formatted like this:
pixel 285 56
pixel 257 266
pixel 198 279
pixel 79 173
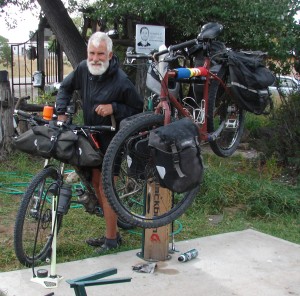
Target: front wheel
pixel 224 115
pixel 33 227
pixel 127 171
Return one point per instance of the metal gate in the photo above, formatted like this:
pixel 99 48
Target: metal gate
pixel 25 66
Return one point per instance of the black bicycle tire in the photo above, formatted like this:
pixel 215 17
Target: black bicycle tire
pixel 111 155
pixel 124 225
pixel 23 257
pixel 214 89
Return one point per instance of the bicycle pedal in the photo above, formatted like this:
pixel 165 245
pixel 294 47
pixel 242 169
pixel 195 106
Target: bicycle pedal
pixel 231 123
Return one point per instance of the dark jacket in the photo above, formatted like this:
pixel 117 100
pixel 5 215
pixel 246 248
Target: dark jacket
pixel 113 87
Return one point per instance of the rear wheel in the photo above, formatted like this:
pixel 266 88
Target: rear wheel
pixel 129 157
pixel 225 115
pixel 33 227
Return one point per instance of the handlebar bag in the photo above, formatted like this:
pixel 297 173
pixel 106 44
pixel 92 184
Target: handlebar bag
pixel 47 142
pixel 177 155
pixel 85 155
pixel 250 80
pixel 54 142
pixel 25 142
pixel 61 144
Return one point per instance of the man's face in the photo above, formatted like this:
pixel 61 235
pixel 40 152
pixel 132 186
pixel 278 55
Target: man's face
pixel 98 58
pixel 144 34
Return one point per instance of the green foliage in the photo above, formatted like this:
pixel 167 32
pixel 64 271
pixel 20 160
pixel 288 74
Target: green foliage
pixel 265 25
pixel 285 131
pixel 253 123
pixel 232 189
pixel 277 136
pixel 269 201
pixel 5 53
pixel 231 183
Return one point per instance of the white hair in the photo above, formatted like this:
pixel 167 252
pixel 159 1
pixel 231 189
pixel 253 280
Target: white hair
pixel 97 37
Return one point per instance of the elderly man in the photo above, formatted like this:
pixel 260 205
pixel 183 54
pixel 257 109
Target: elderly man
pixel 105 90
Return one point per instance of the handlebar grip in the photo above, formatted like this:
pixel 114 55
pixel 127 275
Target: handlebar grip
pixel 30 116
pixel 22 113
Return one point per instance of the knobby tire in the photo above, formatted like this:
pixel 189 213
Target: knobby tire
pixel 129 157
pixel 35 216
pixel 222 108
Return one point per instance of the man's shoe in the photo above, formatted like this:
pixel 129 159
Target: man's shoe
pixel 98 242
pixel 110 244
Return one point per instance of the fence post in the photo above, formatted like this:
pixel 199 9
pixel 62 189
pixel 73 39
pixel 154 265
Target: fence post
pixel 6 115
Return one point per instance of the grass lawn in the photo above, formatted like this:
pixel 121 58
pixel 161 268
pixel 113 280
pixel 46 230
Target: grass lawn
pixel 236 194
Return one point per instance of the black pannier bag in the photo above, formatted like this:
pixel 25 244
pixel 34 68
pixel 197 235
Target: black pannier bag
pixel 177 156
pixel 250 80
pixel 63 145
pixel 139 152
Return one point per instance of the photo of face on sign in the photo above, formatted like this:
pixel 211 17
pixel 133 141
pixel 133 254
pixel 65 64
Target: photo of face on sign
pixel 149 38
pixel 144 34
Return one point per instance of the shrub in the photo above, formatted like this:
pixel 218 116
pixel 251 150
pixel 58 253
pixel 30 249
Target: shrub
pixel 281 136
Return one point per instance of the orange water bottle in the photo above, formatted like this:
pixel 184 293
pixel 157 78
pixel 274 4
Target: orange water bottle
pixel 48 112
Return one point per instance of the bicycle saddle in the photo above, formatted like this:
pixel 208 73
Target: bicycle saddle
pixel 210 31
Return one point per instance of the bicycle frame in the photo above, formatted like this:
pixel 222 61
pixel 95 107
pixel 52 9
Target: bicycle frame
pixel 166 97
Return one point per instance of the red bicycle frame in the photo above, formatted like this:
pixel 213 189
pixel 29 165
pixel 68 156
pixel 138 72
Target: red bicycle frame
pixel 166 98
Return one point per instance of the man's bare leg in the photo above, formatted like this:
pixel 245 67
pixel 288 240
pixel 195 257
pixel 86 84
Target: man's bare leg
pixel 109 214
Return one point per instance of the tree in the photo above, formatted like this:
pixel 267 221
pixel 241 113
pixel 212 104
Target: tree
pixel 267 25
pixel 5 53
pixel 64 29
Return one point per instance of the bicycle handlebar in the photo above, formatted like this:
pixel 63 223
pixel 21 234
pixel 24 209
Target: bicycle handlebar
pixel 140 56
pixel 95 128
pixel 40 120
pixel 154 56
pixel 175 47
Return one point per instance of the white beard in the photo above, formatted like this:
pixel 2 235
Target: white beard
pixel 99 68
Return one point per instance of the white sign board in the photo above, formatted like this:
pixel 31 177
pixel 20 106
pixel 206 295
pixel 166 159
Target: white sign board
pixel 149 38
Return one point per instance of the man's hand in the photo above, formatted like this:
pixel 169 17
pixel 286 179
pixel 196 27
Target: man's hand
pixel 104 110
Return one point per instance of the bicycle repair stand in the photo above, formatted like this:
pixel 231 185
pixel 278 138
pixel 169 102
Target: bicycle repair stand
pixel 42 277
pixel 79 284
pixel 155 245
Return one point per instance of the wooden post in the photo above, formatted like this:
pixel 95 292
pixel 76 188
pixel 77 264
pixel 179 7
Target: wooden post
pixel 6 115
pixel 156 240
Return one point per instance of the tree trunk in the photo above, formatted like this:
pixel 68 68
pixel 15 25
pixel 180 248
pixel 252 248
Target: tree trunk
pixel 6 115
pixel 65 30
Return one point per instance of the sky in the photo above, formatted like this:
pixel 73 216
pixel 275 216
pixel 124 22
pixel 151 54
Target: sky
pixel 20 34
pixel 27 22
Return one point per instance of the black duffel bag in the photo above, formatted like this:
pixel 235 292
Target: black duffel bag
pixel 59 143
pixel 176 151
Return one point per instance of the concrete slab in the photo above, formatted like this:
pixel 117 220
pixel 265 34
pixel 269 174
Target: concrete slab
pixel 245 263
